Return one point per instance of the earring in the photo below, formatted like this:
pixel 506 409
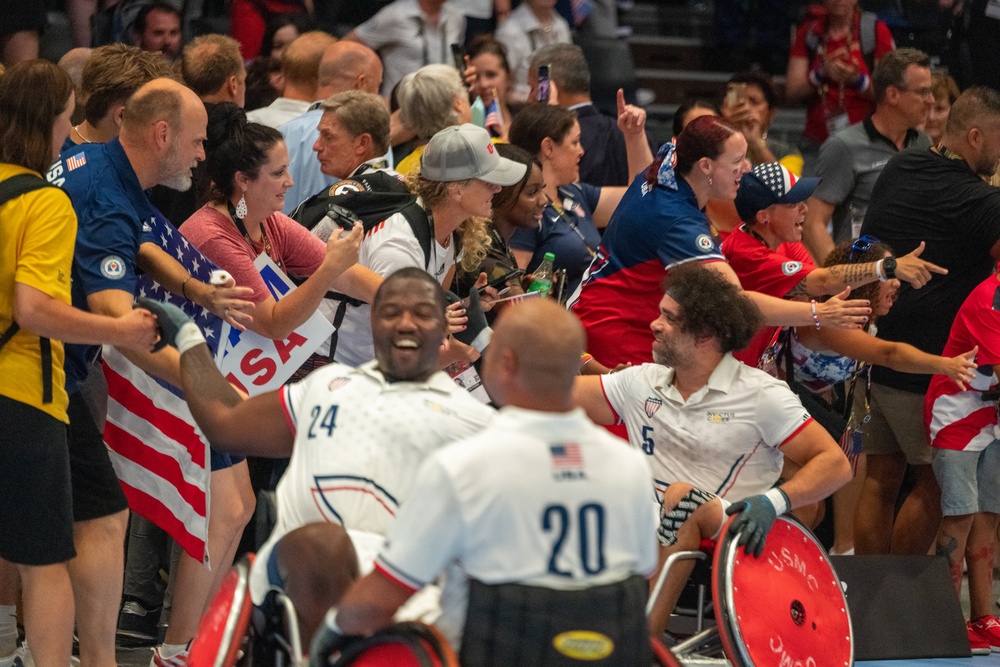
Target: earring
pixel 709 180
pixel 241 207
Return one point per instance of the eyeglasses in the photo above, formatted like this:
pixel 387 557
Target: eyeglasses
pixel 860 247
pixel 922 92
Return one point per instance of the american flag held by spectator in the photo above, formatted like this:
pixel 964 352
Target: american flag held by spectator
pixel 159 453
pixel 493 117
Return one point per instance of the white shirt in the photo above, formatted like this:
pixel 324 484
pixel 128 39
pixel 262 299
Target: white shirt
pixel 522 34
pixel 359 441
pixel 480 508
pixel 725 438
pixel 278 112
pixel 406 40
pixel 386 248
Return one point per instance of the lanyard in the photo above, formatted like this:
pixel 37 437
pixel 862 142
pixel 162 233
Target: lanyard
pixel 571 221
pixel 821 51
pixel 246 235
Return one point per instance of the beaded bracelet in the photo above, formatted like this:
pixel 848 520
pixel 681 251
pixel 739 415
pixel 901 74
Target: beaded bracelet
pixel 812 304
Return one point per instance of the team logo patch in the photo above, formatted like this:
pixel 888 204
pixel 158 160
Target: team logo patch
pixel 652 405
pixel 704 242
pixel 791 268
pixel 720 417
pixel 337 383
pixel 343 187
pixel 567 461
pixel 76 161
pixel 113 267
pixel 583 645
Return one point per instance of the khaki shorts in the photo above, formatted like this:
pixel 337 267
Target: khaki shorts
pixel 896 425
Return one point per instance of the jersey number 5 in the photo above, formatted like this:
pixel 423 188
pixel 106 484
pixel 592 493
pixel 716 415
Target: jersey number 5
pixel 590 517
pixel 647 439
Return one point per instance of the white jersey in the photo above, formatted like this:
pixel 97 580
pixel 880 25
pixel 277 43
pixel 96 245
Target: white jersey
pixel 359 441
pixel 538 499
pixel 386 248
pixel 725 438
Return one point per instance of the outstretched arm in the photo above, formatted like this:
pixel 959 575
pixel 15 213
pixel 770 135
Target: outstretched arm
pixel 256 426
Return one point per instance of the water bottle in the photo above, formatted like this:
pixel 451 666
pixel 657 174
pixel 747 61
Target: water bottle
pixel 542 279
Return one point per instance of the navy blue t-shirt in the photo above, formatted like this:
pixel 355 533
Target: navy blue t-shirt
pixel 571 235
pixel 114 217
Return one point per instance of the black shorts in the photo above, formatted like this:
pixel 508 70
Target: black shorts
pixel 36 511
pixel 96 491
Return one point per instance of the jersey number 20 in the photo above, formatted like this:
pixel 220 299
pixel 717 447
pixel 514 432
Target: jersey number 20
pixel 590 518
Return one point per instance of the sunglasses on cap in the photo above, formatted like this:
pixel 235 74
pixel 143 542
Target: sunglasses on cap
pixel 860 247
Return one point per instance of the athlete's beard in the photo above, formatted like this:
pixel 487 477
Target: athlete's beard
pixel 173 174
pixel 664 355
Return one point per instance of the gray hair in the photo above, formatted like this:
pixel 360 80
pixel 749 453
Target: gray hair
pixel 362 113
pixel 427 99
pixel 567 67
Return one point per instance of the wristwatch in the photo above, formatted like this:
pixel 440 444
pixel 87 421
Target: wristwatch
pixel 889 267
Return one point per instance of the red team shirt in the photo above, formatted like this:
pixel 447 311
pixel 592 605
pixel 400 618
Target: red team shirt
pixel 771 272
pixel 857 105
pixel 957 419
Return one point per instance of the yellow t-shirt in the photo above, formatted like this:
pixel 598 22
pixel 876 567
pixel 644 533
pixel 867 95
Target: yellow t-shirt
pixel 411 161
pixel 37 237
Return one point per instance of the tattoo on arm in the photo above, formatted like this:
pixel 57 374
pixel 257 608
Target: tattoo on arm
pixel 798 290
pixel 854 274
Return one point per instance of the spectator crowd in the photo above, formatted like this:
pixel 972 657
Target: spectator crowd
pixel 523 353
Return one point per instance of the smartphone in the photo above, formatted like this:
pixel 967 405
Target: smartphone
pixel 736 94
pixel 458 54
pixel 498 283
pixel 542 92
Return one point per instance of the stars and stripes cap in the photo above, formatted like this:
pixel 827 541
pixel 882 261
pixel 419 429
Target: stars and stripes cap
pixel 462 152
pixel 768 184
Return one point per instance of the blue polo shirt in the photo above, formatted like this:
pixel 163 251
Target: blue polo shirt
pixel 570 234
pixel 653 230
pixel 114 219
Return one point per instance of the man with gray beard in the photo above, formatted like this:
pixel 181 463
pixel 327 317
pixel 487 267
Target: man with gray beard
pixel 163 127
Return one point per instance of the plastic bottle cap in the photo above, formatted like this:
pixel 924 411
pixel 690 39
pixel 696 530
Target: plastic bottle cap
pixel 549 256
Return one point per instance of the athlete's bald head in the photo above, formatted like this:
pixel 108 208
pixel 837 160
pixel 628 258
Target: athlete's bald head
pixel 535 350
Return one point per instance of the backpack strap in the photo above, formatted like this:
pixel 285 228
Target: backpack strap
pixel 12 188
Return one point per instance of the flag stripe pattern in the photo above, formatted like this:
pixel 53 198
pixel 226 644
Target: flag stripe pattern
pixel 159 453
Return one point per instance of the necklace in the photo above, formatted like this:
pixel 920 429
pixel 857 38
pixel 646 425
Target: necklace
pixel 80 134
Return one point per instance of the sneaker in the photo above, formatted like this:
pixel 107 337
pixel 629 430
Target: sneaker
pixel 979 645
pixel 15 659
pixel 988 628
pixel 137 625
pixel 179 660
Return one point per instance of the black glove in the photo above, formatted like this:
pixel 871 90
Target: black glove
pixel 172 321
pixel 756 516
pixel 671 521
pixel 328 641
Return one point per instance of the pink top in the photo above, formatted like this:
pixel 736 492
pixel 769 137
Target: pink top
pixel 293 248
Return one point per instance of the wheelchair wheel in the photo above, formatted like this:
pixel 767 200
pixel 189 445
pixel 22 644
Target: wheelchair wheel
pixel 785 607
pixel 224 625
